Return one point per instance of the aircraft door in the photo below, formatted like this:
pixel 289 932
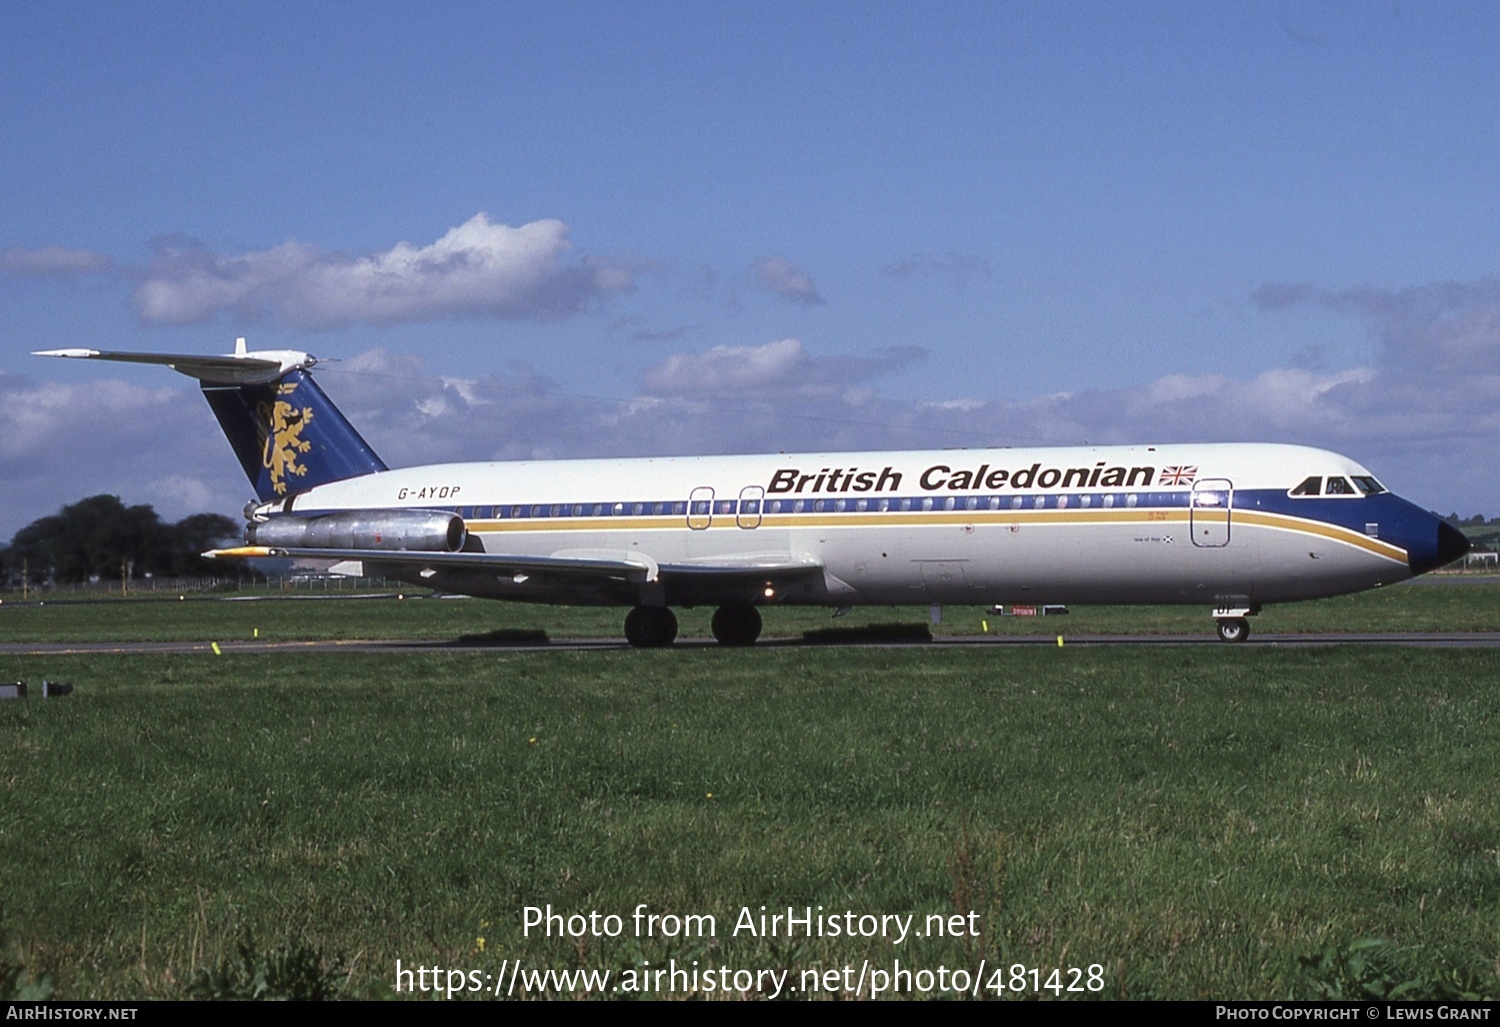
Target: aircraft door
pixel 1210 511
pixel 700 511
pixel 752 498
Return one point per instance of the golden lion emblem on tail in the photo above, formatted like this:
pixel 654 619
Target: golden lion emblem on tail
pixel 284 438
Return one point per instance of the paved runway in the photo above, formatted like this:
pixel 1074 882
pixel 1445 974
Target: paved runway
pixel 1448 640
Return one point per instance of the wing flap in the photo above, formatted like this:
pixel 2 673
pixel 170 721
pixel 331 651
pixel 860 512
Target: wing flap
pixel 747 565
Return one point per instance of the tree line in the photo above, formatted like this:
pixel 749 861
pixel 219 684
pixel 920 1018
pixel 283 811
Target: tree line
pixel 102 539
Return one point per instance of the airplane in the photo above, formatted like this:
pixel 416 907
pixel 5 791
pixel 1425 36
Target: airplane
pixel 1227 526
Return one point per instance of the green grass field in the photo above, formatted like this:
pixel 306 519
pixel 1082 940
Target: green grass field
pixel 1453 605
pixel 1197 822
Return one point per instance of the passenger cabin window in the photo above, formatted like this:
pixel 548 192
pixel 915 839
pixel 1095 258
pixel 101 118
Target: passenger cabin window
pixel 1310 487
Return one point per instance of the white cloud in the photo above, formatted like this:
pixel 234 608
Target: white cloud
pixel 727 368
pixel 478 269
pixel 1437 329
pixel 780 276
pixel 784 367
pixel 178 495
pixel 62 441
pixel 1431 403
pixel 36 416
pixel 962 405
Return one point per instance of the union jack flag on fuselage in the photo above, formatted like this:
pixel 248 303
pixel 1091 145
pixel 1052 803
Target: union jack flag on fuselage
pixel 1178 475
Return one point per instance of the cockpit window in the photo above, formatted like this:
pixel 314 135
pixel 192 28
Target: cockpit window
pixel 1338 485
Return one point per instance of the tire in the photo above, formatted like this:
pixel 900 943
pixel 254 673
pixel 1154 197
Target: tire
pixel 737 624
pixel 650 627
pixel 1233 629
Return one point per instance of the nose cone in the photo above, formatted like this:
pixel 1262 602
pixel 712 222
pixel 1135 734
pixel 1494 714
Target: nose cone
pixel 1449 545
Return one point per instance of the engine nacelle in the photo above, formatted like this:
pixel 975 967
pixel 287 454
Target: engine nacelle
pixel 409 530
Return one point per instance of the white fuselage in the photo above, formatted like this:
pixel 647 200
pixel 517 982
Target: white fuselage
pixel 1210 524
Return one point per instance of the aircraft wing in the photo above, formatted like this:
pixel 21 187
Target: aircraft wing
pixel 579 562
pixel 639 569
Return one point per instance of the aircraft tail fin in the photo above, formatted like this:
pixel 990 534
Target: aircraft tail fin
pixel 286 432
pixel 288 435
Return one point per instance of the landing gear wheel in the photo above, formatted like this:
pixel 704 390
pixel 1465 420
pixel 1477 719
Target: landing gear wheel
pixel 650 627
pixel 736 624
pixel 1233 629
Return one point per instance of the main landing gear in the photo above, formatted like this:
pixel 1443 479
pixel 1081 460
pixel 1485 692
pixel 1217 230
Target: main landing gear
pixel 654 627
pixel 650 627
pixel 737 624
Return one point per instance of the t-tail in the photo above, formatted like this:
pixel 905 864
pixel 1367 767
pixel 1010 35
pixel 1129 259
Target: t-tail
pixel 286 432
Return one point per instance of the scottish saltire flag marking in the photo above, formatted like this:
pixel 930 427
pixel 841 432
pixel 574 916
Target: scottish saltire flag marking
pixel 1178 475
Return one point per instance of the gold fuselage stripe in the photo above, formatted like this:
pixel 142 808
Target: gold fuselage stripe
pixel 926 518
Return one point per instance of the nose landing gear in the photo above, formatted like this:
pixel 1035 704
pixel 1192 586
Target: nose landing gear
pixel 1233 629
pixel 1231 622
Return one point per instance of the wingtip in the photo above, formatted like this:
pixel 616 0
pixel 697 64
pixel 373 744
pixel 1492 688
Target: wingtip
pixel 65 352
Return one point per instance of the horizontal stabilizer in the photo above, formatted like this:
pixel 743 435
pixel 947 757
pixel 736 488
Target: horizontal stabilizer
pixel 241 367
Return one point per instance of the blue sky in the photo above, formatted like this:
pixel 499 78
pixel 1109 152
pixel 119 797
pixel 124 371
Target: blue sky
pixel 596 229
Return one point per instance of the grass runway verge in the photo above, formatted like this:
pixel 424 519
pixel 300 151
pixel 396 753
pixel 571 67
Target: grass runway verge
pixel 1455 604
pixel 1201 822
